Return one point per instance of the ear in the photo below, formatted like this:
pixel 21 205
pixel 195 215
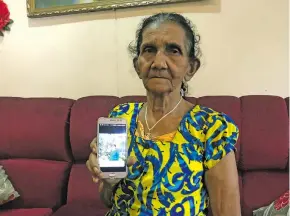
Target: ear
pixel 193 67
pixel 136 67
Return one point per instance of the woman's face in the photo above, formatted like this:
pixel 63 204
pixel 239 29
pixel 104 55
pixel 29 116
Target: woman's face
pixel 163 62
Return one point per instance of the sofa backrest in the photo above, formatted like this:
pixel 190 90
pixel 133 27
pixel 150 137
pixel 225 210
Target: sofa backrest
pixel 83 122
pixel 262 148
pixel 35 150
pixel 44 144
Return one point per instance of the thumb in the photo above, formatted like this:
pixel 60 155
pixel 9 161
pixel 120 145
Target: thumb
pixel 131 160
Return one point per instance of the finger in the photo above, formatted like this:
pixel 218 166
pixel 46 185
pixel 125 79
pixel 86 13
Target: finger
pixel 93 166
pixel 131 160
pixel 98 172
pixel 89 167
pixel 93 161
pixel 95 180
pixel 93 144
pixel 101 186
pixel 95 172
pixel 94 176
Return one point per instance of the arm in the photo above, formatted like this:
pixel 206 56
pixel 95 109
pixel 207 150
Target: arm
pixel 107 191
pixel 92 164
pixel 106 196
pixel 221 176
pixel 223 187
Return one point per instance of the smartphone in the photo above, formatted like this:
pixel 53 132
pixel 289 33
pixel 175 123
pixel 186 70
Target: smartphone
pixel 112 147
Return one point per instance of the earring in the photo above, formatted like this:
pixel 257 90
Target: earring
pixel 182 92
pixel 183 89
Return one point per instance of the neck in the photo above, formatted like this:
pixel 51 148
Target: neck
pixel 159 105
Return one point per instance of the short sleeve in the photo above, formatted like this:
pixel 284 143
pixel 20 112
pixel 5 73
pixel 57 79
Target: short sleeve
pixel 114 112
pixel 120 110
pixel 125 110
pixel 220 138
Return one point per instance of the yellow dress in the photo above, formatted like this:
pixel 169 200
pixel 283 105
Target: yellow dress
pixel 168 177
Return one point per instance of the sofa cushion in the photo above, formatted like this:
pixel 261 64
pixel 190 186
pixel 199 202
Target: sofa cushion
pixel 7 191
pixel 81 209
pixel 81 187
pixel 83 122
pixel 41 183
pixel 26 212
pixel 34 128
pixel 265 133
pixel 261 188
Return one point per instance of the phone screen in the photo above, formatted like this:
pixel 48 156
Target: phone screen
pixel 112 141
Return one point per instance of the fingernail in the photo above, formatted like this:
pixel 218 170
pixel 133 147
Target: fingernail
pixel 95 180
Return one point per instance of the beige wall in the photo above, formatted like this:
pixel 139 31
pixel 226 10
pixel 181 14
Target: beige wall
pixel 244 44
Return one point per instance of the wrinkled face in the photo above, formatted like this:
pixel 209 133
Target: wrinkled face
pixel 163 62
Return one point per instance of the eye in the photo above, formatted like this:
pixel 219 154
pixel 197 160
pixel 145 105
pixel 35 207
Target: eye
pixel 175 51
pixel 148 50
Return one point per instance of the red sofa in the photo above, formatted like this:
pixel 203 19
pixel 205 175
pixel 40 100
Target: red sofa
pixel 44 143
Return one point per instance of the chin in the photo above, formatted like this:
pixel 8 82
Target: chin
pixel 158 89
pixel 158 86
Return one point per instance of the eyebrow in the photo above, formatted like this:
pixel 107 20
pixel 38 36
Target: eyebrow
pixel 168 45
pixel 147 45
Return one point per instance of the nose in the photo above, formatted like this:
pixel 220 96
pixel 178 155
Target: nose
pixel 159 62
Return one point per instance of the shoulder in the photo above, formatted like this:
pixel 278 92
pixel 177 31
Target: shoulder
pixel 207 119
pixel 220 122
pixel 125 110
pixel 220 135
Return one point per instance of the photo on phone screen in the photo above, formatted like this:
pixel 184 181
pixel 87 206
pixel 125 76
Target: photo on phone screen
pixel 112 141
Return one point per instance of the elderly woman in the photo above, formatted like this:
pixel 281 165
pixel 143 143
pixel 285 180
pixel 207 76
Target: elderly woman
pixel 181 154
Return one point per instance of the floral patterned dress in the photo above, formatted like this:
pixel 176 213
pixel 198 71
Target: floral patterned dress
pixel 168 177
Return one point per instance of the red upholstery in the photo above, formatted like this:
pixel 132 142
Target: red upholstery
pixel 44 144
pixel 265 133
pixel 30 123
pixel 26 212
pixel 40 183
pixel 84 115
pixel 260 188
pixel 81 209
pixel 76 192
pixel 35 151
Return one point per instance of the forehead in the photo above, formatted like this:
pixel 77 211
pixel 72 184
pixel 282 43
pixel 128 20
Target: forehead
pixel 164 33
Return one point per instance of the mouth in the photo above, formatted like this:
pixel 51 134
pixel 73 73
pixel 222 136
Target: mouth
pixel 156 77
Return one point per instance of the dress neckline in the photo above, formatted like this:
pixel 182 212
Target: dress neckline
pixel 134 122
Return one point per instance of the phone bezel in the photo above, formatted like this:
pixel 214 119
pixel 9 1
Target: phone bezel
pixel 113 172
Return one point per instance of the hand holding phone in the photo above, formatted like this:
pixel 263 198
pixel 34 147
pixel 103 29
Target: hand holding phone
pixel 105 185
pixel 112 147
pixel 93 166
pixel 108 161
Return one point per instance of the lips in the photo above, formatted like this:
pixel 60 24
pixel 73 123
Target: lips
pixel 157 77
